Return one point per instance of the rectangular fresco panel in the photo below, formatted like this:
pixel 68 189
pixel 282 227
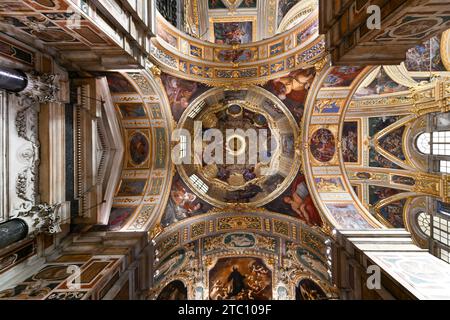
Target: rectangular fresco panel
pixel 132 110
pixel 324 106
pixel 117 219
pixel 248 4
pixel 118 84
pixel 240 278
pixel 133 187
pixel 347 216
pixel 350 142
pixel 329 184
pixel 233 32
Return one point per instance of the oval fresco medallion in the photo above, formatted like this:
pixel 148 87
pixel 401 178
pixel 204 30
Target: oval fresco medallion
pixel 322 145
pixel 139 148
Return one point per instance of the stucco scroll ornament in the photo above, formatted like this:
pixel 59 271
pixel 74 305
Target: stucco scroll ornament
pixel 26 120
pixel 44 217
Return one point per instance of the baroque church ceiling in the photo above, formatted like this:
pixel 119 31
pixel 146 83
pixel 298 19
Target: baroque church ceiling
pixel 331 160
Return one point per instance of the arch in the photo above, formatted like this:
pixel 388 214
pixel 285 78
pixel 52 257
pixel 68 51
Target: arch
pixel 226 65
pixel 423 222
pixel 146 169
pixel 341 209
pixel 308 289
pixel 423 142
pixel 175 290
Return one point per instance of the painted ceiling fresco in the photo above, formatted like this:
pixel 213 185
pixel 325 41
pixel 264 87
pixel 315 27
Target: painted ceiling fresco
pixel 183 203
pixel 181 93
pixel 379 135
pixel 425 57
pixel 393 212
pixel 295 200
pixel 293 90
pixel 382 84
pixel 142 187
pixel 233 32
pixel 243 260
pixel 391 145
pixel 283 8
pixel 219 4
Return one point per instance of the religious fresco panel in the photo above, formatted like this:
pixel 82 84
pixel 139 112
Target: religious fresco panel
pixel 132 110
pixel 132 187
pixel 323 145
pixel 181 93
pixel 233 32
pixel 382 84
pixel 376 194
pixel 347 216
pixel 248 4
pixel 393 213
pixel 183 203
pixel 378 161
pixel 293 90
pixel 376 124
pixel 425 57
pixel 118 217
pixel 297 202
pixel 283 8
pixel 139 148
pixel 240 278
pixel 118 84
pixel 350 142
pixel 216 4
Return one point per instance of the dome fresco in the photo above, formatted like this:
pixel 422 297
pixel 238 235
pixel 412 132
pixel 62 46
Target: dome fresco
pixel 224 150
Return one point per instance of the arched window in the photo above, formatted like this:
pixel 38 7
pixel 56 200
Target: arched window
pixel 423 221
pixel 423 143
pixel 438 144
pixel 441 143
pixel 441 230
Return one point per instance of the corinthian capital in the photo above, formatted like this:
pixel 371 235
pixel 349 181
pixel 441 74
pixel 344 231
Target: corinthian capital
pixel 41 87
pixel 43 218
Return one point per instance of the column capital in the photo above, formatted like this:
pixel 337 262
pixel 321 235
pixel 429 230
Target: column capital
pixel 43 218
pixel 41 87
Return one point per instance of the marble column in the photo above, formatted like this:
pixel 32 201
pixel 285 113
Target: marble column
pixel 12 231
pixel 13 80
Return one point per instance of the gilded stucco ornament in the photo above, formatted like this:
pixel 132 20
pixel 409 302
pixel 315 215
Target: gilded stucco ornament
pixel 156 231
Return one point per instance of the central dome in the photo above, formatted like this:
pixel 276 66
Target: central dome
pixel 242 148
